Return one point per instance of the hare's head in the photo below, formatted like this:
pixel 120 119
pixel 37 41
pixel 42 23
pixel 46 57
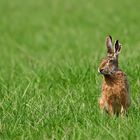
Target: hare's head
pixel 110 63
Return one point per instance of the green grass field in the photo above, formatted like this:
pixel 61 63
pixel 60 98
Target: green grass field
pixel 49 55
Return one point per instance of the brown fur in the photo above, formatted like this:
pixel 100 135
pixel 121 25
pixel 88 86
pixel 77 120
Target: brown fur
pixel 115 98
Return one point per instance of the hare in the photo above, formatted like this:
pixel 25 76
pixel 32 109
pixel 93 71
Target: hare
pixel 115 97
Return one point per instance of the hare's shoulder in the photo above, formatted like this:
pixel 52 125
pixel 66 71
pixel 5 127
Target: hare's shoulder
pixel 122 78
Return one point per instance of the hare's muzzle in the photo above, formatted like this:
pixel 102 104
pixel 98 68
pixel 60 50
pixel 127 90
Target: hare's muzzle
pixel 100 71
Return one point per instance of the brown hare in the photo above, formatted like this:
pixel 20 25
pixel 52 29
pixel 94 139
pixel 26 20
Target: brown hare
pixel 115 98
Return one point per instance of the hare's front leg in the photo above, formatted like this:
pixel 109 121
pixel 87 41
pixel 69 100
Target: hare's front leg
pixel 111 109
pixel 102 103
pixel 123 111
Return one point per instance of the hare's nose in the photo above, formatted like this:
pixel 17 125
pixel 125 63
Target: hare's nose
pixel 101 71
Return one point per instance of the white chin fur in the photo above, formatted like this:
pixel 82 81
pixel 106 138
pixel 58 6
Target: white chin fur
pixel 98 70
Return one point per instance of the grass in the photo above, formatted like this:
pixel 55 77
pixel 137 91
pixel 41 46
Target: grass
pixel 49 55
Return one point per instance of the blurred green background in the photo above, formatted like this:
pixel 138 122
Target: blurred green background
pixel 49 55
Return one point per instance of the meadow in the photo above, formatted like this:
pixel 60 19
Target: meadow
pixel 50 51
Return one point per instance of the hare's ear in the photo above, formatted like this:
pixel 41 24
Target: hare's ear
pixel 117 48
pixel 109 44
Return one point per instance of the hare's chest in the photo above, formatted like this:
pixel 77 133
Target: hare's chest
pixel 115 89
pixel 109 89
